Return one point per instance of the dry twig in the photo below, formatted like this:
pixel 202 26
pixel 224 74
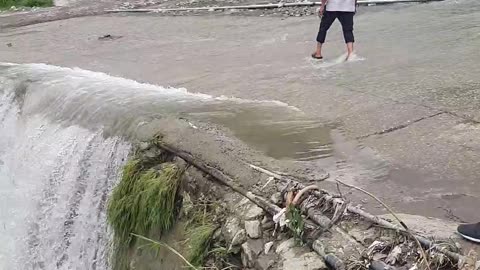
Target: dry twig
pixel 424 254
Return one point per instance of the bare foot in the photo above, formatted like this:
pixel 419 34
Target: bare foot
pixel 315 55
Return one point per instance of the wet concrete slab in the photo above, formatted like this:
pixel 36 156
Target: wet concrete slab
pixel 399 133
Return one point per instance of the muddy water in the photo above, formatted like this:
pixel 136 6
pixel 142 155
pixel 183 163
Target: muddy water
pixel 275 131
pixel 120 106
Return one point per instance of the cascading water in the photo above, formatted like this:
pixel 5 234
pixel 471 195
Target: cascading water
pixel 64 136
pixel 54 182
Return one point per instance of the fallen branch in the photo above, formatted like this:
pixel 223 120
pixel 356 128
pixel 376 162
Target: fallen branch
pixel 157 243
pixel 424 254
pixel 225 180
pixel 261 6
pixel 301 192
pixel 221 178
pixel 325 195
pixel 378 200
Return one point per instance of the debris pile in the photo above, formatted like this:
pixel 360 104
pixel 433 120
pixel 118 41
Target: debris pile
pixel 278 224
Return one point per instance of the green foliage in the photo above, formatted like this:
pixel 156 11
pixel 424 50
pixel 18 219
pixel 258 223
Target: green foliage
pixel 156 245
pixel 296 223
pixel 4 4
pixel 198 243
pixel 143 200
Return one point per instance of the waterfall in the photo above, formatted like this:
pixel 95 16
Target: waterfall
pixel 54 184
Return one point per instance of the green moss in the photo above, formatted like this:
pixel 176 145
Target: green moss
pixel 144 200
pixel 5 4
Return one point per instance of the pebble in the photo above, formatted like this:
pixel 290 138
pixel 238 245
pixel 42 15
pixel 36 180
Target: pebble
pixel 253 229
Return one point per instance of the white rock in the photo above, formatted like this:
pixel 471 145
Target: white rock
pixel 285 246
pixel 253 228
pixel 253 212
pixel 308 261
pixel 288 249
pixel 268 246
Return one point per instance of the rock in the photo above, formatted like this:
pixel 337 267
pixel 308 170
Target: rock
pixel 248 255
pixel 308 261
pixel 253 229
pixel 109 37
pixel 276 198
pixel 285 246
pixel 288 249
pixel 253 212
pixel 265 262
pixel 251 251
pixel 256 245
pixel 217 235
pixel 143 146
pixel 239 238
pixel 267 247
pixel 265 219
pixel 268 225
pixel 9 45
pixel 380 265
pixel 363 236
pixel 233 232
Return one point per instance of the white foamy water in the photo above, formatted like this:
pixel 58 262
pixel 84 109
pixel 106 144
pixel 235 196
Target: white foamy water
pixel 121 107
pixel 54 183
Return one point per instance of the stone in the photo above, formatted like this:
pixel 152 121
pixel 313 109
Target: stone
pixel 288 249
pixel 265 262
pixel 251 249
pixel 253 228
pixel 248 255
pixel 217 235
pixel 276 198
pixel 233 233
pixel 285 246
pixel 254 212
pixel 308 261
pixel 143 146
pixel 268 225
pixel 239 238
pixel 265 220
pixel 267 247
pixel 363 236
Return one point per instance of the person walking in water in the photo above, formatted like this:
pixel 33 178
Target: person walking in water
pixel 343 10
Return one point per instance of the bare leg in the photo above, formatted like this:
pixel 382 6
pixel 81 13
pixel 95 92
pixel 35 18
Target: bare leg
pixel 318 51
pixel 349 49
